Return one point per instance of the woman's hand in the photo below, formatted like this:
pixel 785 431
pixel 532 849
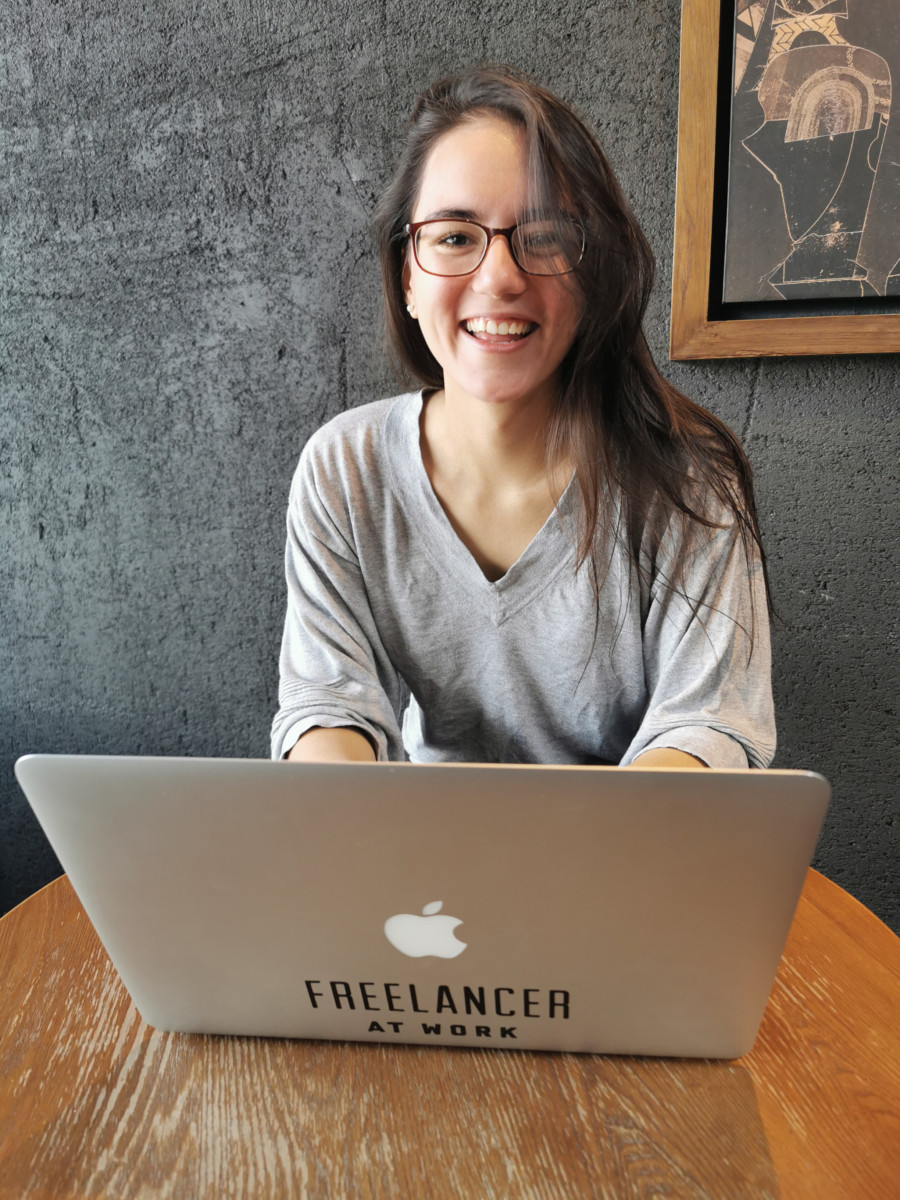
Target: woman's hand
pixel 319 745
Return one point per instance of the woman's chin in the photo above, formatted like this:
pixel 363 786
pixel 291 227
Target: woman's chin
pixel 497 388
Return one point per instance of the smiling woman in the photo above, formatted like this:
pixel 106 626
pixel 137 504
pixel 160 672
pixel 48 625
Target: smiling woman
pixel 465 294
pixel 546 554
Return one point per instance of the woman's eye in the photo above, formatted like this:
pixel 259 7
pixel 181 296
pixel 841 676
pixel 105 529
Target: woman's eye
pixel 542 241
pixel 446 237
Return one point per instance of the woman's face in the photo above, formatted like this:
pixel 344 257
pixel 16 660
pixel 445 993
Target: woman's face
pixel 478 170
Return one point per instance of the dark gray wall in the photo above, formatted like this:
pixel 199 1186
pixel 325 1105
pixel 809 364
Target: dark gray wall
pixel 189 289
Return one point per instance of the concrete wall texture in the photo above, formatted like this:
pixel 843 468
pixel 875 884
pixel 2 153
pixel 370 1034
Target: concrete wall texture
pixel 189 289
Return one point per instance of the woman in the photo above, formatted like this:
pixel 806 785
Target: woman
pixel 548 554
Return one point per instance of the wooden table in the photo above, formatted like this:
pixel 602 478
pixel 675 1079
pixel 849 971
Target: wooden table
pixel 93 1102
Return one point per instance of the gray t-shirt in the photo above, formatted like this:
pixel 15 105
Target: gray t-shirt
pixel 393 628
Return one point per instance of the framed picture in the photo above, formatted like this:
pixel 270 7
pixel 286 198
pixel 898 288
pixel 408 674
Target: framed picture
pixel 787 207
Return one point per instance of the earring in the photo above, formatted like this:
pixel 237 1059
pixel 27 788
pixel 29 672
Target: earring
pixel 411 310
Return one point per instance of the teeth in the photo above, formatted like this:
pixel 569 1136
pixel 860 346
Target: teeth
pixel 503 328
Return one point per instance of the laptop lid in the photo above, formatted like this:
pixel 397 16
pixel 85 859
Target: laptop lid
pixel 550 908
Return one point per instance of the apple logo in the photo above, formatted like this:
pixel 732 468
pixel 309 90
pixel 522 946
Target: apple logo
pixel 428 934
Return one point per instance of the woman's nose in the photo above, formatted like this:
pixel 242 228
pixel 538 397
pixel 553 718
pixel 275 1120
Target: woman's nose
pixel 498 273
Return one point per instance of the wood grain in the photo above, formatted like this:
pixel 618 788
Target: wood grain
pixel 93 1102
pixel 692 334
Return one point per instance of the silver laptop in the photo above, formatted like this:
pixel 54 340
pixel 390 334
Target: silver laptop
pixel 544 908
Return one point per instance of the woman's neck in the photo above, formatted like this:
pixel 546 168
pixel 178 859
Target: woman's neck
pixel 484 447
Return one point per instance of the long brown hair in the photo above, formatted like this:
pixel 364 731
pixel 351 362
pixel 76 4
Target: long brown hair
pixel 628 430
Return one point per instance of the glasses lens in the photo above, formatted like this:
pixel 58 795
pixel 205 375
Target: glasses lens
pixel 548 247
pixel 449 247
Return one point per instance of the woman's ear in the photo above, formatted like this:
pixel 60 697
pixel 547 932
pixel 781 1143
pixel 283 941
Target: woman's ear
pixel 406 283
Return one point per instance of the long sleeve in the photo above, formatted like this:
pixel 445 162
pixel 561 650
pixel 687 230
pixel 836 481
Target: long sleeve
pixel 710 691
pixel 333 669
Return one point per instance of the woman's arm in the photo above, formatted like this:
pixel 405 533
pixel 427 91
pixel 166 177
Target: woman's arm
pixel 332 745
pixel 662 756
pixel 707 659
pixel 335 676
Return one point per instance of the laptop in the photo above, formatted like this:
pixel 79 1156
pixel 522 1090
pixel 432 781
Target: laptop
pixel 570 908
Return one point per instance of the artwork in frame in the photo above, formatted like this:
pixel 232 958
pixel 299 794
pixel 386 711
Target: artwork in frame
pixel 787 223
pixel 813 207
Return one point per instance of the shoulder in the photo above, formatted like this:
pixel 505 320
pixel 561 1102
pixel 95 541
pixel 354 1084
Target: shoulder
pixel 359 439
pixel 347 462
pixel 358 430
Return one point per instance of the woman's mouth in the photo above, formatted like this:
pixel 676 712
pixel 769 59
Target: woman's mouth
pixel 485 329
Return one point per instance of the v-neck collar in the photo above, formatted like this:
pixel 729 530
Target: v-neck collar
pixel 550 550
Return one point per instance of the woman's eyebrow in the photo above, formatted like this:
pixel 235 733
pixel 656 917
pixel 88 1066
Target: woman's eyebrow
pixel 468 214
pixel 457 214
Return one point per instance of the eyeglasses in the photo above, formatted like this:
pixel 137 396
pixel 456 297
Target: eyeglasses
pixel 451 246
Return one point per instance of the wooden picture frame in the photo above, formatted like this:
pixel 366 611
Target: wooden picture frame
pixel 694 333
